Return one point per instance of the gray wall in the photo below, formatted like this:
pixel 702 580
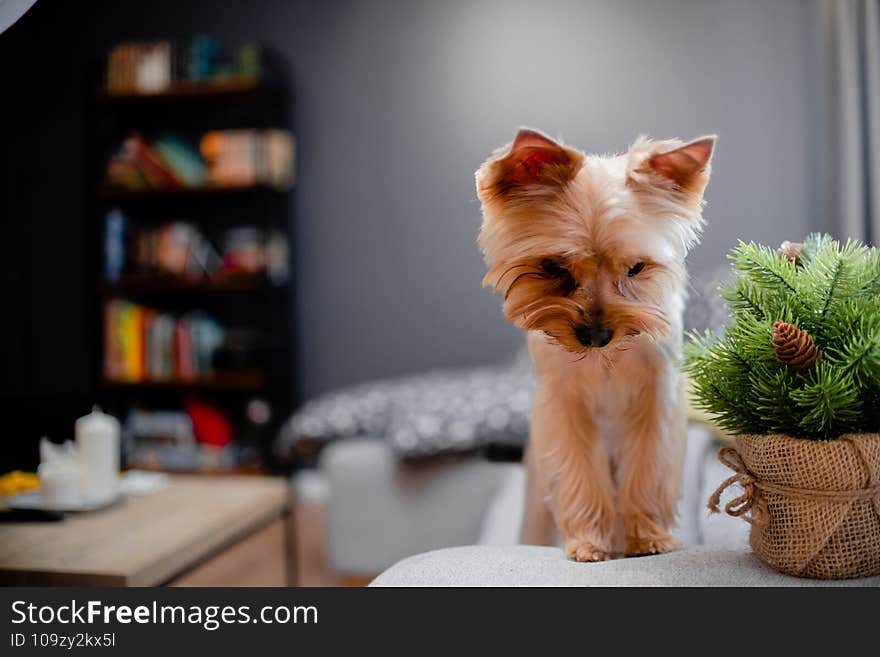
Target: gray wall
pixel 399 102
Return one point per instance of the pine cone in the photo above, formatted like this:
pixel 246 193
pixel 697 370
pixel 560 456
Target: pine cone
pixel 795 347
pixel 791 251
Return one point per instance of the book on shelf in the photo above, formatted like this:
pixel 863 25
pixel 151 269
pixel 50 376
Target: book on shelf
pixel 155 66
pixel 164 426
pixel 143 344
pixel 248 157
pixel 198 437
pixel 138 164
pixel 115 235
pixel 179 250
pixel 223 158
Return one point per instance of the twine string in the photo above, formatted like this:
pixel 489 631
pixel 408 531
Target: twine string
pixel 752 500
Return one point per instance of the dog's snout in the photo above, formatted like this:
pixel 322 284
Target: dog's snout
pixel 593 336
pixel 602 336
pixel 584 334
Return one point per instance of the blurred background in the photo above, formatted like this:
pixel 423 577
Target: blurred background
pixel 248 230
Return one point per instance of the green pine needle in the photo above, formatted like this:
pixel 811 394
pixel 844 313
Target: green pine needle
pixel 834 295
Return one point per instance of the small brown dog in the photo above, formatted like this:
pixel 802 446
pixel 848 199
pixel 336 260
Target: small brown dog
pixel 588 252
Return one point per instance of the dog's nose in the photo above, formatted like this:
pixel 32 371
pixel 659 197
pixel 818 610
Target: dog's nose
pixel 593 336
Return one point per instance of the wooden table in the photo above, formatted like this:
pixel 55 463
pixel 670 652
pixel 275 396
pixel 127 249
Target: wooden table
pixel 198 530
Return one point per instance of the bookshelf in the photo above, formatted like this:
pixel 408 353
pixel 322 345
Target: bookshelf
pixel 243 385
pixel 108 193
pixel 146 284
pixel 238 380
pixel 182 90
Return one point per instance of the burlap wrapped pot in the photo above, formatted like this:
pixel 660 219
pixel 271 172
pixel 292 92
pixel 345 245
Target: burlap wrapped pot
pixel 814 505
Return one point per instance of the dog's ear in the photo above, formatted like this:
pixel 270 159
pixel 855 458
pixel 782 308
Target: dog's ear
pixel 532 160
pixel 684 162
pixel 687 166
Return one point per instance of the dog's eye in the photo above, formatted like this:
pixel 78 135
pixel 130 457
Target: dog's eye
pixel 564 281
pixel 553 268
pixel 635 269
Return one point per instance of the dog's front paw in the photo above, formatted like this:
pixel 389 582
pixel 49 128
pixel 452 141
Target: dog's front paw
pixel 585 551
pixel 640 546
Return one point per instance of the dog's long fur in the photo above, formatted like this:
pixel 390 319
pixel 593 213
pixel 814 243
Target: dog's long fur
pixel 588 252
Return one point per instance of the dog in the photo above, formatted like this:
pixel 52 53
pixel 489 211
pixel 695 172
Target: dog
pixel 589 254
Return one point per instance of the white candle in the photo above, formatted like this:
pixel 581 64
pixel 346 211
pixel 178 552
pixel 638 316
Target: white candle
pixel 97 442
pixel 59 475
pixel 59 484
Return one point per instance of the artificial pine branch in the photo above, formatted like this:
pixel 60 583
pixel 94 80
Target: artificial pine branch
pixel 801 354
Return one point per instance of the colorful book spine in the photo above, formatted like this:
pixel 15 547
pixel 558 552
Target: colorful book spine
pixel 112 345
pixel 142 344
pixel 151 67
pixel 114 245
pixel 248 157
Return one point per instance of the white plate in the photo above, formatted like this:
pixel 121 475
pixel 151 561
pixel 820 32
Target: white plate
pixel 33 500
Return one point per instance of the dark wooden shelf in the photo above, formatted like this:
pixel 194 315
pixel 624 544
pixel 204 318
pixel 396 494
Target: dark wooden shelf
pixel 176 285
pixel 249 470
pixel 108 193
pixel 186 90
pixel 237 380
